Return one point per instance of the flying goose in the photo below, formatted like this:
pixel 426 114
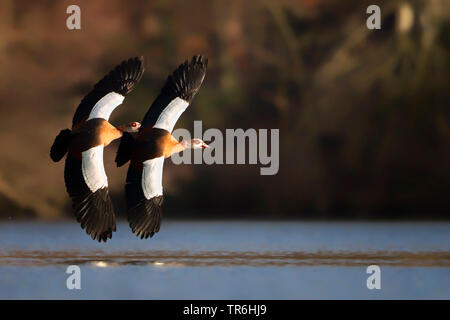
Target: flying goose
pixel 84 174
pixel 154 143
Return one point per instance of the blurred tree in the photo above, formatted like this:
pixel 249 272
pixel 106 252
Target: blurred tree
pixel 363 114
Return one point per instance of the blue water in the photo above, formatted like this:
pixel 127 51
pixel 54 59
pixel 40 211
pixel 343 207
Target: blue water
pixel 228 260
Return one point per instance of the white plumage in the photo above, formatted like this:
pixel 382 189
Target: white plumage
pixel 152 177
pixel 93 170
pixel 106 105
pixel 170 114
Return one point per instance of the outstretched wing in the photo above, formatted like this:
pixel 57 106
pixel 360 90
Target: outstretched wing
pixel 179 90
pixel 144 197
pixel 87 185
pixel 110 92
pixel 143 189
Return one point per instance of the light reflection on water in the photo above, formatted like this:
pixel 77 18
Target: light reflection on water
pixel 228 260
pixel 224 258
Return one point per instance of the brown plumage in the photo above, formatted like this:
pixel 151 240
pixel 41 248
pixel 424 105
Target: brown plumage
pixel 93 133
pixel 154 143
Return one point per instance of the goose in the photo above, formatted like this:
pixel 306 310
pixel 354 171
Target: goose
pixel 84 174
pixel 154 143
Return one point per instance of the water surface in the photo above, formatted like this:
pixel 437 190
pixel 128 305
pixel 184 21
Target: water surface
pixel 228 260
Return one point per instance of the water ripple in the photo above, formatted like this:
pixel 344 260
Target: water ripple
pixel 162 259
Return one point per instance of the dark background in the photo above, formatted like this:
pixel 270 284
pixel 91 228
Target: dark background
pixel 363 114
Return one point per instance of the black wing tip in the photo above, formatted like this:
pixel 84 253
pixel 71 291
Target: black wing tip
pixel 145 217
pixel 134 64
pixel 104 236
pixel 100 235
pixel 200 60
pixel 187 79
pixel 93 210
pixel 122 80
pixel 138 61
pixel 95 214
pixel 127 74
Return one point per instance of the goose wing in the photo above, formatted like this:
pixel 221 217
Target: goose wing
pixel 176 95
pixel 87 185
pixel 178 91
pixel 144 196
pixel 84 173
pixel 110 92
pixel 143 190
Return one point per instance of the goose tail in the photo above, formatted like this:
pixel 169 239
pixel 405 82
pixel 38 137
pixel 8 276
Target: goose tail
pixel 60 145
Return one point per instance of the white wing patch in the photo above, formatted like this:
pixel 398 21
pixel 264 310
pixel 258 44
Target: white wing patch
pixel 170 114
pixel 106 105
pixel 92 167
pixel 152 177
